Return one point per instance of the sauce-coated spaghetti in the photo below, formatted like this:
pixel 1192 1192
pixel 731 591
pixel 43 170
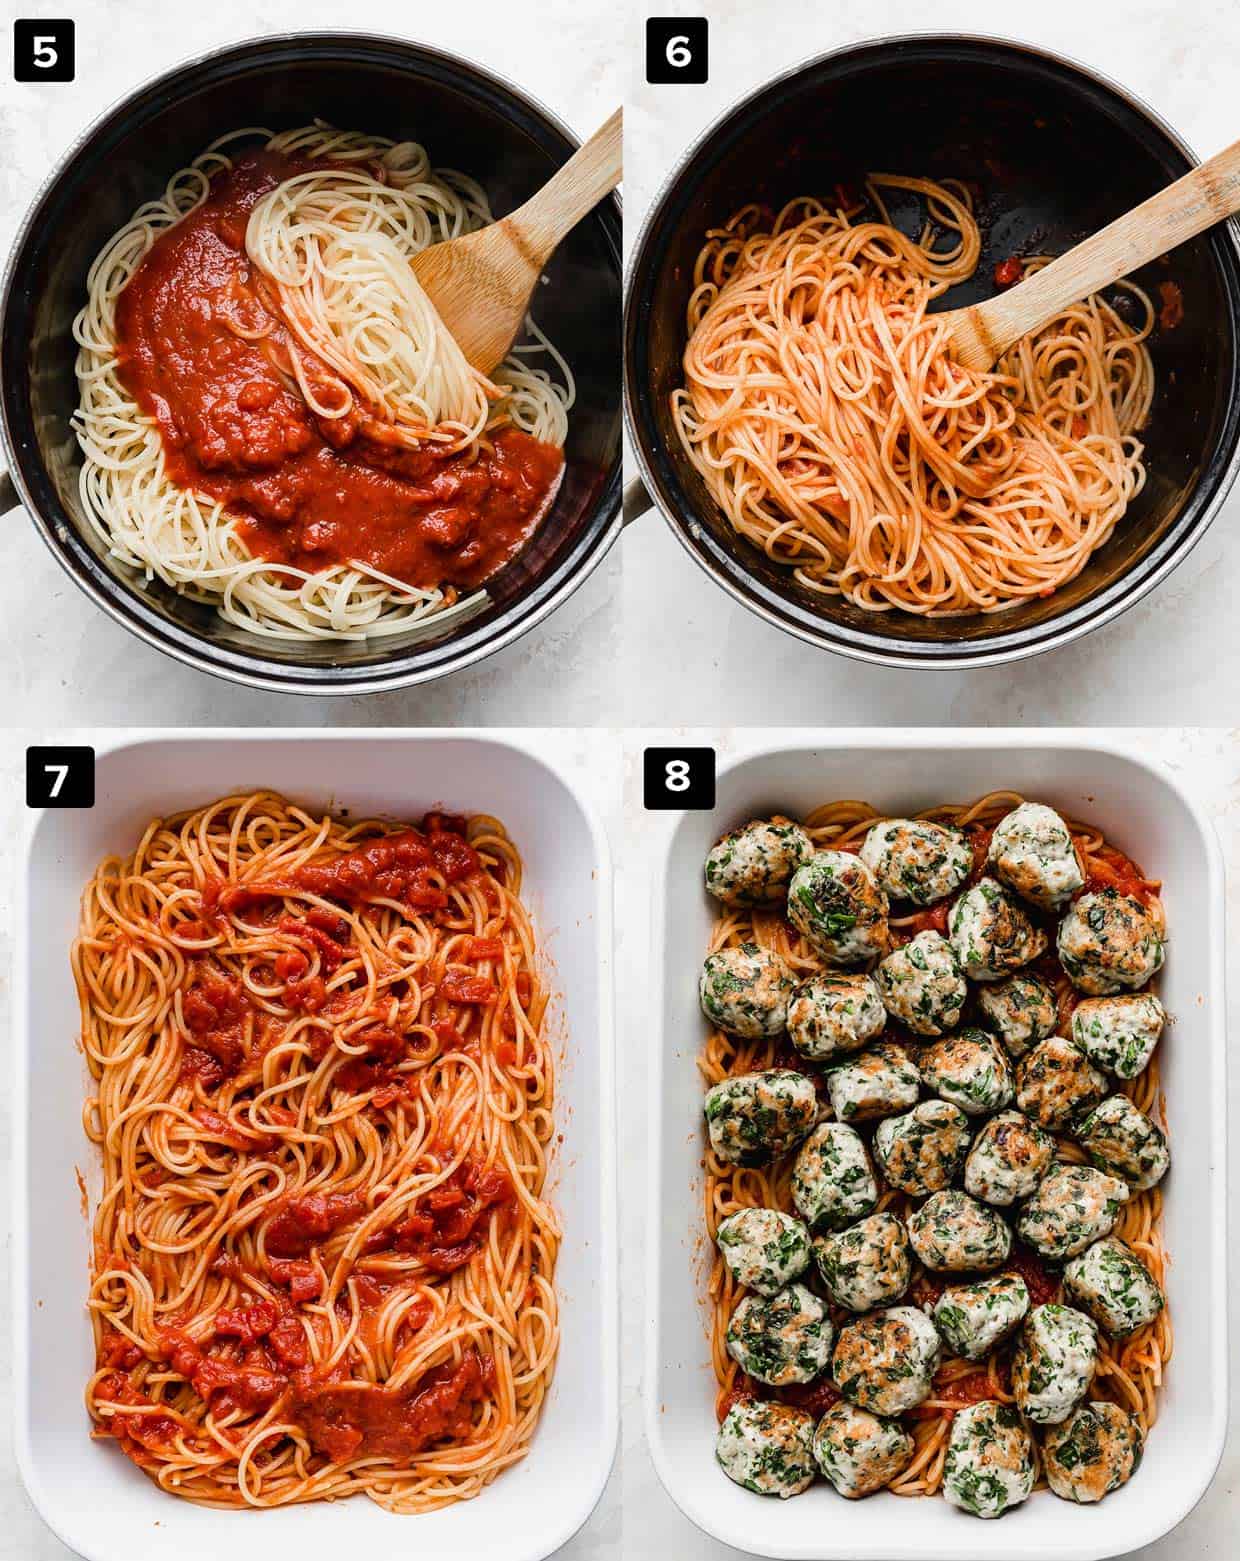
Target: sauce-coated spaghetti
pixel 323 1097
pixel 825 415
pixel 1130 1370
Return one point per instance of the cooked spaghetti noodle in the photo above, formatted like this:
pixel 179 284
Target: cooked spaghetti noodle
pixel 323 1098
pixel 298 284
pixel 823 410
pixel 1129 1371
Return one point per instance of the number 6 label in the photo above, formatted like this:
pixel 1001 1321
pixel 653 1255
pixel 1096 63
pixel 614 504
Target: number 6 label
pixel 676 49
pixel 682 778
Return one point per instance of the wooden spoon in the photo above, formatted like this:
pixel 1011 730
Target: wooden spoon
pixel 481 283
pixel 982 333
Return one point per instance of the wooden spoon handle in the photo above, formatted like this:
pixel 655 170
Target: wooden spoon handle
pixel 1173 216
pixel 590 173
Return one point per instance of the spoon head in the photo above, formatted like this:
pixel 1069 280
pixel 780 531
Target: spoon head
pixel 972 340
pixel 480 285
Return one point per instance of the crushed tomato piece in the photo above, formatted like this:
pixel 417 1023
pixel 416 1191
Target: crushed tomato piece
pixel 348 1420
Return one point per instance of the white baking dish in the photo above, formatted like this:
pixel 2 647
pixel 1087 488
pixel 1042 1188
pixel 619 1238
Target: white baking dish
pixel 1141 807
pixel 93 1498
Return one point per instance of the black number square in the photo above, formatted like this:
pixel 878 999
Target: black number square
pixel 680 778
pixel 60 777
pixel 43 51
pixel 676 49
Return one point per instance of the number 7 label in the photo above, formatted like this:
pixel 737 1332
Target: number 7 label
pixel 60 777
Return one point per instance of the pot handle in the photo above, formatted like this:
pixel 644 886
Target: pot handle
pixel 9 496
pixel 636 501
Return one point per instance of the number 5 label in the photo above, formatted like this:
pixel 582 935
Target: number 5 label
pixel 681 778
pixel 43 50
pixel 676 49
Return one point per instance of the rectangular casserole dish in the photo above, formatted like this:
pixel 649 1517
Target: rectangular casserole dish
pixel 1147 811
pixel 86 1491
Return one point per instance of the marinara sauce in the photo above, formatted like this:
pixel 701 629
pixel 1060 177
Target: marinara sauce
pixel 202 354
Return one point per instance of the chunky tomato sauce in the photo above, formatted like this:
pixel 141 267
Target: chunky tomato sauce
pixel 347 1420
pixel 409 867
pixel 449 1224
pixel 1111 869
pixel 958 1394
pixel 400 867
pixel 210 363
pixel 214 1009
pixel 1042 1284
pixel 264 1359
pixel 303 1222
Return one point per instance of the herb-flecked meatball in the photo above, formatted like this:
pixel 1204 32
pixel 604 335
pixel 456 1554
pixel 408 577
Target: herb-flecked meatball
pixel 1032 852
pixel 767 1448
pixel 922 1151
pixel 1119 1138
pixel 1073 1206
pixel 832 1183
pixel 764 1249
pixel 922 985
pixel 745 991
pixel 1021 1010
pixel 990 933
pixel 754 864
pixel 970 1070
pixel 886 1362
pixel 1092 1453
pixel 755 1117
pixel 953 1232
pixel 867 1265
pixel 1112 942
pixel 836 904
pixel 860 1453
pixel 833 1014
pixel 782 1338
pixel 1009 1157
pixel 990 1464
pixel 916 860
pixel 1119 1034
pixel 878 1082
pixel 1114 1286
pixel 1054 1361
pixel 1057 1082
pixel 974 1319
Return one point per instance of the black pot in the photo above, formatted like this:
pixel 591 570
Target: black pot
pixel 1058 152
pixel 467 119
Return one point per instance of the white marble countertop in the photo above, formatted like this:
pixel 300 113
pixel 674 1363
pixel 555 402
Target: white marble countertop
pixel 636 1519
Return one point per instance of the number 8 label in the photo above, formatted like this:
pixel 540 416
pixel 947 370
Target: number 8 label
pixel 678 778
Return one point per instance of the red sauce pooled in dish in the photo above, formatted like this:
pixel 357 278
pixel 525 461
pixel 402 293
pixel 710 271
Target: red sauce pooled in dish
pixel 349 1420
pixel 310 491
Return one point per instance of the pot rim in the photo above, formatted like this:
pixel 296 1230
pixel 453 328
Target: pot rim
pixel 124 603
pixel 862 644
